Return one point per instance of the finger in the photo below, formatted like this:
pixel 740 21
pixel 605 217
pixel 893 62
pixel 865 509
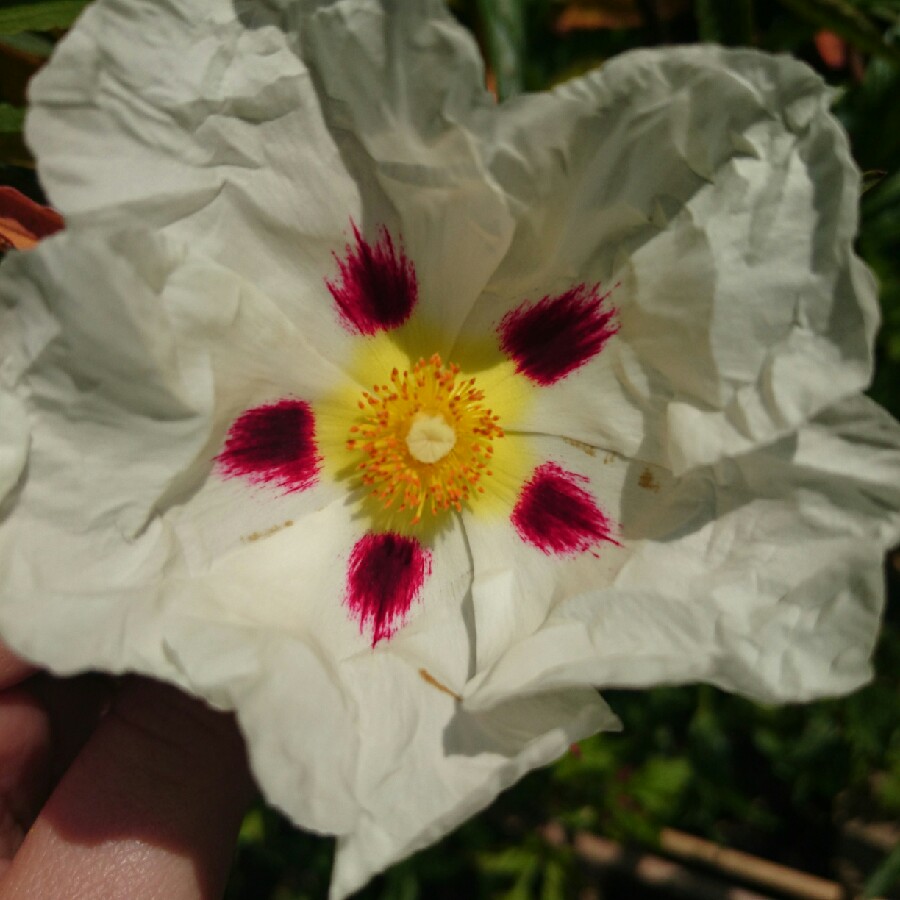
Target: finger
pixel 24 767
pixel 13 669
pixel 75 706
pixel 150 808
pixel 43 725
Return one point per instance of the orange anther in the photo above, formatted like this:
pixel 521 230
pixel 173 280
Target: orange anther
pixel 397 478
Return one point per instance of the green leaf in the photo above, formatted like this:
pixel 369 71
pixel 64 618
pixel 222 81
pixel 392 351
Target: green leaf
pixel 595 756
pixel 659 784
pixel 885 877
pixel 727 22
pixel 521 890
pixel 253 828
pixel 554 886
pixel 511 861
pixel 39 15
pixel 28 42
pixel 401 883
pixel 12 118
pixel 872 178
pixel 888 10
pixel 504 30
pixel 848 21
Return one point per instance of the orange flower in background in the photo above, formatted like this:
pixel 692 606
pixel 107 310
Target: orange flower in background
pixel 837 54
pixel 591 15
pixel 23 222
pixel 832 48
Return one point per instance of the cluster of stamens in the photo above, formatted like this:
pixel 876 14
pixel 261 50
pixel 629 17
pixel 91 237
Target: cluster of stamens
pixel 426 439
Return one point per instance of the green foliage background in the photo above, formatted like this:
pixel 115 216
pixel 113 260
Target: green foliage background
pixel 776 782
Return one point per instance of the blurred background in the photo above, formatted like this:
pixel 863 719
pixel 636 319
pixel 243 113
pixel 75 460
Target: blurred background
pixel 703 795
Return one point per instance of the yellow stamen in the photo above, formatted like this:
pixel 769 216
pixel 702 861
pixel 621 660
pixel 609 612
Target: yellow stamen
pixel 425 439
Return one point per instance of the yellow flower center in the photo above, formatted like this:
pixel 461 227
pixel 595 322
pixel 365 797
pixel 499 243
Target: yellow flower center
pixel 426 439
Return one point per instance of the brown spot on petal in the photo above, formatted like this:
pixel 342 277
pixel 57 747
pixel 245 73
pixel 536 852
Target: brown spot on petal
pixel 428 678
pixel 648 482
pixel 582 446
pixel 267 532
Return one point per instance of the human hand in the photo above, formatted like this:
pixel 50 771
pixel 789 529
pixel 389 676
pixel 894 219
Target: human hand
pixel 114 788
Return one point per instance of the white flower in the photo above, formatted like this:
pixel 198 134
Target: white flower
pixel 295 235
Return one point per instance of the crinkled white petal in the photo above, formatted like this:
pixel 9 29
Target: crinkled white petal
pixel 104 362
pixel 13 441
pixel 405 102
pixel 762 575
pixel 447 763
pixel 516 585
pixel 133 359
pixel 713 194
pixel 210 131
pixel 242 130
pixel 300 721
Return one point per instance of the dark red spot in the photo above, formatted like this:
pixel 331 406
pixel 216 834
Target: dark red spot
pixel 377 287
pixel 273 444
pixel 551 338
pixel 557 515
pixel 384 576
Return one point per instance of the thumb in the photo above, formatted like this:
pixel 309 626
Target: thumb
pixel 150 808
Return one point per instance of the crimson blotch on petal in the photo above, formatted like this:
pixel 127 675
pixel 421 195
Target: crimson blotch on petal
pixel 385 574
pixel 557 515
pixel 377 288
pixel 557 335
pixel 273 444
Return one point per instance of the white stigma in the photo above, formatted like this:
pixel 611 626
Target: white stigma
pixel 430 438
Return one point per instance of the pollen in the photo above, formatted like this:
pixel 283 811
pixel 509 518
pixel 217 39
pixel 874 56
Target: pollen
pixel 424 440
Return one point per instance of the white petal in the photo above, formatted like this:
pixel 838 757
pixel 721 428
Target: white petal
pixel 406 99
pixel 259 146
pixel 293 580
pixel 515 584
pixel 714 194
pixel 13 443
pixel 761 575
pixel 299 720
pixel 436 764
pixel 99 352
pixel 132 358
pixel 207 128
